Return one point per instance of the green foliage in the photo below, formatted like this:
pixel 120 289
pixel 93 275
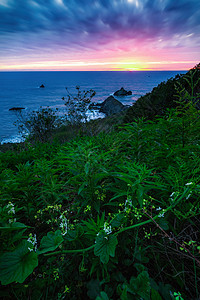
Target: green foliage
pixel 164 96
pixel 17 265
pixel 119 211
pixel 105 247
pixel 38 125
pixel 50 242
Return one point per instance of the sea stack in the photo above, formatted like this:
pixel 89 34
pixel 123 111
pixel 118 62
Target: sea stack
pixel 122 92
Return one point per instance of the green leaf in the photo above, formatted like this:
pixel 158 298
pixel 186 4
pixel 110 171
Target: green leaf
pixel 13 226
pixel 141 285
pixel 87 167
pixel 16 266
pixel 103 296
pixel 105 247
pixel 155 295
pixel 50 242
pixel 117 220
pixel 71 235
pixel 140 194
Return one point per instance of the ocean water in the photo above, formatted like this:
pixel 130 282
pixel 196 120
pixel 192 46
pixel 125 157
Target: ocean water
pixel 22 89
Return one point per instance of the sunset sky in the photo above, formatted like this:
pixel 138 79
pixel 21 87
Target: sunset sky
pixel 99 34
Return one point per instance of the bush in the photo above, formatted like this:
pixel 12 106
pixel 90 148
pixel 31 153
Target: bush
pixel 38 124
pixel 78 106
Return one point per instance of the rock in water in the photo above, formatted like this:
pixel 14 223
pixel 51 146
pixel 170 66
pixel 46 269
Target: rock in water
pixel 122 92
pixel 42 86
pixel 16 108
pixel 111 106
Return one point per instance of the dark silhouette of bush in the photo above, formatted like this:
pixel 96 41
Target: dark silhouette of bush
pixel 38 125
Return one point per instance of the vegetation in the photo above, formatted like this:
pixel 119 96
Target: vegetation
pixel 164 96
pixel 78 106
pixel 111 216
pixel 38 125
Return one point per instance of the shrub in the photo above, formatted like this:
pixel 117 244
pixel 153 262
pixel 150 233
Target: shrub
pixel 78 106
pixel 38 124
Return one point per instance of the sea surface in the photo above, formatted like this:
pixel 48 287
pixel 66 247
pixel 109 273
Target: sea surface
pixel 22 89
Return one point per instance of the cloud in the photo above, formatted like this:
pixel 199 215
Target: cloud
pixel 96 24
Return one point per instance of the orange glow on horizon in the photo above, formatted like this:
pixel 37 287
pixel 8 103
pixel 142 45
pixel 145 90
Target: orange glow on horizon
pixel 100 66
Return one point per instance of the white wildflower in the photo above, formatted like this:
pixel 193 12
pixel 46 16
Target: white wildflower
pixel 159 208
pixel 161 215
pixel 189 183
pixel 33 240
pixel 107 229
pixel 172 194
pixel 11 208
pixel 63 225
pixel 128 204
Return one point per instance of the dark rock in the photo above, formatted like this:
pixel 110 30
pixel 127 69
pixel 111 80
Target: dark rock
pixel 42 86
pixel 111 106
pixel 16 108
pixel 122 92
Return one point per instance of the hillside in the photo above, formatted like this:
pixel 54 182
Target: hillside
pixel 109 216
pixel 165 96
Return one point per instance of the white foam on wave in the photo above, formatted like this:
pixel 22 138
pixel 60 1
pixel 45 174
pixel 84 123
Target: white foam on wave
pixel 12 139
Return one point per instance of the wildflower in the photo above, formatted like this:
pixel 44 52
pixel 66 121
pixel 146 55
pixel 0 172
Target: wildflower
pixel 161 215
pixel 189 183
pixel 128 204
pixel 12 220
pixel 172 194
pixel 11 208
pixel 33 241
pixel 107 229
pixel 63 224
pixel 159 208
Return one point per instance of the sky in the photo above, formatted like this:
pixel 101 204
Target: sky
pixel 92 35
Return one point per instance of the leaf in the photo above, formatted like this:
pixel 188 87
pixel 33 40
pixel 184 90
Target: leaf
pixel 50 242
pixel 87 168
pixel 155 295
pixel 117 220
pixel 141 285
pixel 140 194
pixel 71 235
pixel 103 296
pixel 13 226
pixel 16 266
pixel 105 247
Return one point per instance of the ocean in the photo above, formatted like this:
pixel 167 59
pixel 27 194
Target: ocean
pixel 22 89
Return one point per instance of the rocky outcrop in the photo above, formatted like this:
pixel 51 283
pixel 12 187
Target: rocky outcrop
pixel 16 108
pixel 122 92
pixel 42 86
pixel 111 106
